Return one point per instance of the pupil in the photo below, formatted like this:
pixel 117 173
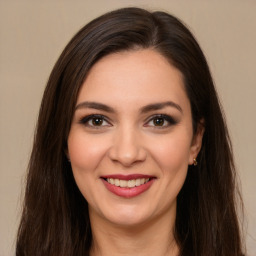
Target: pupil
pixel 97 121
pixel 158 121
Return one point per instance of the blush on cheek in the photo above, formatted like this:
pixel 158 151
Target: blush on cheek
pixel 174 164
pixel 172 153
pixel 84 154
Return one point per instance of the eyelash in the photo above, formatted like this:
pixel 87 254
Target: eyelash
pixel 85 121
pixel 166 118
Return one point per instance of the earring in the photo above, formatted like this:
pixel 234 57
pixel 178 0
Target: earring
pixel 194 162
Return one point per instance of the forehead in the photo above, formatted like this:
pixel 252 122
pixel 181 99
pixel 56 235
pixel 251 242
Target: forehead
pixel 130 77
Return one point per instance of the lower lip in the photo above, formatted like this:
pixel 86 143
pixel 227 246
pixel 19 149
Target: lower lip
pixel 128 192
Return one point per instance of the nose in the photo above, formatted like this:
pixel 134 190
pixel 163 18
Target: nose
pixel 127 148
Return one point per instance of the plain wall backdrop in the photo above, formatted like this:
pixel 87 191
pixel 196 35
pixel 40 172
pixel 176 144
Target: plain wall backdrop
pixel 33 34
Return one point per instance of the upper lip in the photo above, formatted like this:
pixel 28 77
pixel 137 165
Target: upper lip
pixel 127 177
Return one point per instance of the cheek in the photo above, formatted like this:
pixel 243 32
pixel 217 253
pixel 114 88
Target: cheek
pixel 85 155
pixel 172 158
pixel 85 152
pixel 172 154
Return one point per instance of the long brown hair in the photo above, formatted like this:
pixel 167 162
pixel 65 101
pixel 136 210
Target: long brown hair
pixel 55 217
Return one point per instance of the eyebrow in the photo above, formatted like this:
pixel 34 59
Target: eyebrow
pixel 95 105
pixel 161 105
pixel 145 109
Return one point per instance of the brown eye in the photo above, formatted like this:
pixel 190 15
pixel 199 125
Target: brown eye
pixel 161 121
pixel 97 121
pixel 158 121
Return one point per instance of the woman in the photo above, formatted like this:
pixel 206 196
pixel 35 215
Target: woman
pixel 131 154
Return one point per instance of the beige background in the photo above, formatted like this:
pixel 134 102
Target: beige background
pixel 33 34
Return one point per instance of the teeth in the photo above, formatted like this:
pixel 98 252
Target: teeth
pixel 127 183
pixel 131 183
pixel 117 182
pixel 123 183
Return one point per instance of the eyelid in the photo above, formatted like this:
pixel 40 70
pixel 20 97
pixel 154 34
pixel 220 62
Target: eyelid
pixel 84 120
pixel 171 121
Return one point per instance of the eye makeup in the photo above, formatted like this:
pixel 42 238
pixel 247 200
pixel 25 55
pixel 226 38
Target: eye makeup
pixel 95 121
pixel 161 121
pixel 158 121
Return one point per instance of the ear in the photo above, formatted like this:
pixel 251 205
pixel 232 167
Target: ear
pixel 196 142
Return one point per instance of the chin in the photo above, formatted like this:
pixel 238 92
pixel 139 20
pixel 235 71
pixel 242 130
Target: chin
pixel 126 215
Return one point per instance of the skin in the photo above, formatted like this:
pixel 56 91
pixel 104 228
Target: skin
pixel 130 142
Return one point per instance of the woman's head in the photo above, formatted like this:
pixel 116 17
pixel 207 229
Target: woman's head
pixel 209 187
pixel 132 124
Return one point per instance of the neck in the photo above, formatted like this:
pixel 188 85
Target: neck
pixel 146 239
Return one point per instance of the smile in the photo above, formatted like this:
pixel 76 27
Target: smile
pixel 127 183
pixel 128 186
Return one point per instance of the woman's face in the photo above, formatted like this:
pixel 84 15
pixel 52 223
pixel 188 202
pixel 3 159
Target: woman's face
pixel 131 138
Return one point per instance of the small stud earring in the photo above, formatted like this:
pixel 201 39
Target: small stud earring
pixel 194 162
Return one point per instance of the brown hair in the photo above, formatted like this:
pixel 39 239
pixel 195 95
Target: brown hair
pixel 55 217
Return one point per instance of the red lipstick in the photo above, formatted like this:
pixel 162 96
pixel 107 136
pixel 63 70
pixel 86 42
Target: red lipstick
pixel 128 192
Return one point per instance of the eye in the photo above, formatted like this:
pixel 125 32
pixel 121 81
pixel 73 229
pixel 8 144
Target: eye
pixel 95 121
pixel 161 121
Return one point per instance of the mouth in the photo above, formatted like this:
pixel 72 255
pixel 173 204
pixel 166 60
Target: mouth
pixel 128 185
